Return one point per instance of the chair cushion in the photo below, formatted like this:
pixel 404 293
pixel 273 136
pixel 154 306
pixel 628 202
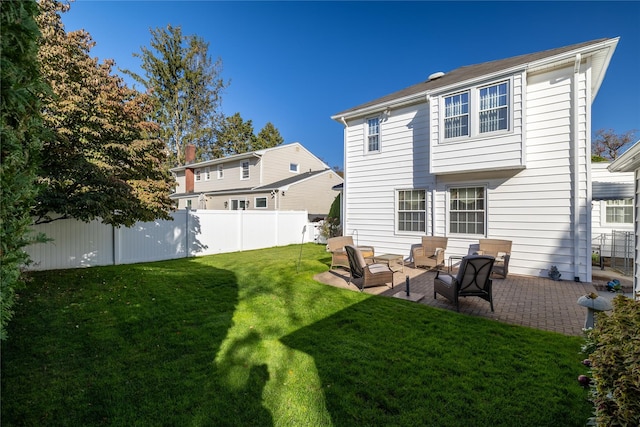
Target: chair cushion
pixel 446 279
pixel 378 268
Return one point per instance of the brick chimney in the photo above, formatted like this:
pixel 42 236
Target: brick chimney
pixel 189 157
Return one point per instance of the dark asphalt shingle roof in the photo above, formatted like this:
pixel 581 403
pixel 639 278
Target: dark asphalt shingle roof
pixel 469 72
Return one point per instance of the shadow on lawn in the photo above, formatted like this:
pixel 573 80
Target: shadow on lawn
pixel 421 370
pixel 125 345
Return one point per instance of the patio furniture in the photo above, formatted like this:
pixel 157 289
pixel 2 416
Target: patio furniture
pixel 366 275
pixel 431 253
pixel 473 280
pixel 336 245
pixel 500 250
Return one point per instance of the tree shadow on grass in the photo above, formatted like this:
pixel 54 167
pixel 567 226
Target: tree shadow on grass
pixel 126 345
pixel 390 362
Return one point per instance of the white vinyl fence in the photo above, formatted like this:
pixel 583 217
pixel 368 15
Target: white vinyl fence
pixel 191 233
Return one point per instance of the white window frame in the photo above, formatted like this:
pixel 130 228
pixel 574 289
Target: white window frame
pixel 412 210
pixel 368 134
pixel 243 169
pixel 220 171
pixel 238 204
pixel 476 211
pixel 207 173
pixel 618 207
pixel 474 111
pixel 198 175
pixel 457 114
pixel 490 108
pixel 257 206
pixel 294 167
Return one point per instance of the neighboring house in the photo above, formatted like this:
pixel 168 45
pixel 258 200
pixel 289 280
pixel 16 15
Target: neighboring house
pixel 285 177
pixel 612 209
pixel 500 150
pixel 629 161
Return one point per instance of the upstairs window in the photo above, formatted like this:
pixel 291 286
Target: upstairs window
pixel 207 174
pixel 456 115
pixel 220 172
pixel 294 167
pixel 198 175
pixel 494 108
pixel 619 211
pixel 244 174
pixel 467 210
pixel 373 134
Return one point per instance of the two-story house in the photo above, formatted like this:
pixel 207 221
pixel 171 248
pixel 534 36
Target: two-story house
pixel 500 149
pixel 285 177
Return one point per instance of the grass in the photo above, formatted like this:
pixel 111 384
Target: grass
pixel 243 339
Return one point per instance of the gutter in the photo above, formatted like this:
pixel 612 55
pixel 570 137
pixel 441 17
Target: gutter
pixel 576 171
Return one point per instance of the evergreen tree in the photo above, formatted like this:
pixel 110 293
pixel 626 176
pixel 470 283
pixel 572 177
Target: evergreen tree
pixel 235 136
pixel 268 137
pixel 21 133
pixel 186 89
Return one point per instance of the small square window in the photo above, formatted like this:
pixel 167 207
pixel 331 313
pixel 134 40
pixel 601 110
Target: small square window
pixel 294 167
pixel 260 203
pixel 619 211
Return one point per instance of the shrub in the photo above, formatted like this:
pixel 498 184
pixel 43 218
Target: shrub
pixel 614 347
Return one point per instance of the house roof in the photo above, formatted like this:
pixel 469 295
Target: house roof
pixel 600 49
pixel 250 154
pixel 282 185
pixel 629 161
pixel 612 190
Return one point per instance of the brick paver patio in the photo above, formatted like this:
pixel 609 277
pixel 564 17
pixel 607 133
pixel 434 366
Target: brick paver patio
pixel 537 302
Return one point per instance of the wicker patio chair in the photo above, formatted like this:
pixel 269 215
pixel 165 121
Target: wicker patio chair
pixel 500 250
pixel 366 275
pixel 336 245
pixel 431 253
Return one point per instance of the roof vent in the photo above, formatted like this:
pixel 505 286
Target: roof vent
pixel 436 75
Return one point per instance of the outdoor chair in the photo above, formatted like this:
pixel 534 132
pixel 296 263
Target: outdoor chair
pixel 431 253
pixel 366 275
pixel 336 245
pixel 500 250
pixel 473 280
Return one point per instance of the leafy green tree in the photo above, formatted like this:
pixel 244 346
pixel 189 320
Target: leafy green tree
pixel 235 136
pixel 21 132
pixel 609 145
pixel 101 160
pixel 186 89
pixel 268 137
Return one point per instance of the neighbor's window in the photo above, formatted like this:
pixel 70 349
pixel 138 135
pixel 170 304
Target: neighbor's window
pixel 198 175
pixel 294 167
pixel 207 174
pixel 260 203
pixel 373 134
pixel 220 172
pixel 619 211
pixel 245 170
pixel 467 210
pixel 456 115
pixel 412 208
pixel 494 108
pixel 239 204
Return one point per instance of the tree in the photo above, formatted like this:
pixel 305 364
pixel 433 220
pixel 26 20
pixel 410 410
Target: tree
pixel 186 89
pixel 268 137
pixel 235 136
pixel 608 145
pixel 101 161
pixel 21 132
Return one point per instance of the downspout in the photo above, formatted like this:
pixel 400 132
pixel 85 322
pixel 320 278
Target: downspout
pixel 576 172
pixel 343 201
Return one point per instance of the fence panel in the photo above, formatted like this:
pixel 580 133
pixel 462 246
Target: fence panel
pixel 191 233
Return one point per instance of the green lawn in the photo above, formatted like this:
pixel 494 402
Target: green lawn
pixel 243 339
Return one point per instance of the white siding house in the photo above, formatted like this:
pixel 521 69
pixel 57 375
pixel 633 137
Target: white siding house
pixel 629 161
pixel 497 150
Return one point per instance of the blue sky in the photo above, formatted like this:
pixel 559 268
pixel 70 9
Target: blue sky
pixel 297 63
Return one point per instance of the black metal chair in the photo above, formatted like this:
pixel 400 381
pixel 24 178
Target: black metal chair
pixel 473 280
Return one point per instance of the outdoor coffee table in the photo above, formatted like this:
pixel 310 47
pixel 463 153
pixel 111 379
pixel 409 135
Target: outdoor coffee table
pixel 454 258
pixel 388 258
